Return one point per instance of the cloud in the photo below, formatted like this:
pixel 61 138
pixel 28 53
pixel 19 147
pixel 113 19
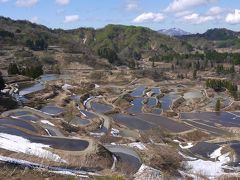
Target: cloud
pixel 234 17
pixel 181 5
pixel 132 5
pixel 63 2
pixel 71 18
pixel 149 17
pixel 183 13
pixel 215 10
pixel 34 19
pixel 26 3
pixel 195 18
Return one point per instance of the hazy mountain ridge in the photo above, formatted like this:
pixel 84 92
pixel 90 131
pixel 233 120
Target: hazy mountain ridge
pixel 174 32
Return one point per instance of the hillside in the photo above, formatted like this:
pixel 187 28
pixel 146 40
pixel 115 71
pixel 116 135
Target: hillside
pixel 221 37
pixel 123 43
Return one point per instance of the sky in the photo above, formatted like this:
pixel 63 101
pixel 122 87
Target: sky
pixel 195 16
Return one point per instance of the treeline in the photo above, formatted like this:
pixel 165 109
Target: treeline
pixel 37 45
pixel 109 54
pixel 5 34
pixel 33 71
pixel 212 56
pixel 219 85
pixel 223 57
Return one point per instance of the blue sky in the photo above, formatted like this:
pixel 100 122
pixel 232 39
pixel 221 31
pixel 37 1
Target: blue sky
pixel 190 15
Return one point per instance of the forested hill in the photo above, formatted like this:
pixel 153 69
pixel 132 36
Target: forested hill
pixel 219 37
pixel 115 41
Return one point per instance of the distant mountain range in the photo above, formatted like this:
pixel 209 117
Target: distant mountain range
pixel 218 34
pixel 174 32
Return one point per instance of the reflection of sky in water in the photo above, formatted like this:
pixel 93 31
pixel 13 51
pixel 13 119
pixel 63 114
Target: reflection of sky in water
pixel 138 91
pixel 156 91
pixel 49 77
pixel 101 108
pixel 136 105
pixel 52 110
pixel 166 101
pixel 34 88
pixel 152 102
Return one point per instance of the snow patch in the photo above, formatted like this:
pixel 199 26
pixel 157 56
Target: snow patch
pixel 207 168
pixel 47 122
pixel 97 86
pixel 138 145
pixel 211 169
pixel 216 153
pixel 22 145
pixel 66 87
pixel 115 132
pixel 83 113
pixel 189 145
pixel 146 172
pixel 88 99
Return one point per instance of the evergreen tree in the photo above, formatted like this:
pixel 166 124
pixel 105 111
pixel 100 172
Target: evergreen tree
pixel 2 82
pixel 195 74
pixel 218 105
pixel 13 69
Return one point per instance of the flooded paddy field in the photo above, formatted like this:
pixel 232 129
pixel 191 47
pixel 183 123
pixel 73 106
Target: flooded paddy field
pixel 100 122
pixel 52 110
pixel 149 121
pixel 226 119
pixel 136 105
pixel 18 123
pixel 138 91
pixel 100 107
pixel 203 149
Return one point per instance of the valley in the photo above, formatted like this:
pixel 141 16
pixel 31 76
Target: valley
pixel 142 106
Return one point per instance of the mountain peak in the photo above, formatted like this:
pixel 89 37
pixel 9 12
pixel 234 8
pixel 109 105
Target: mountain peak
pixel 174 32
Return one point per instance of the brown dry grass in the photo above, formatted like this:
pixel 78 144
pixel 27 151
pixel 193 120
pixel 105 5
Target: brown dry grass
pixel 195 135
pixel 12 172
pixel 164 158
